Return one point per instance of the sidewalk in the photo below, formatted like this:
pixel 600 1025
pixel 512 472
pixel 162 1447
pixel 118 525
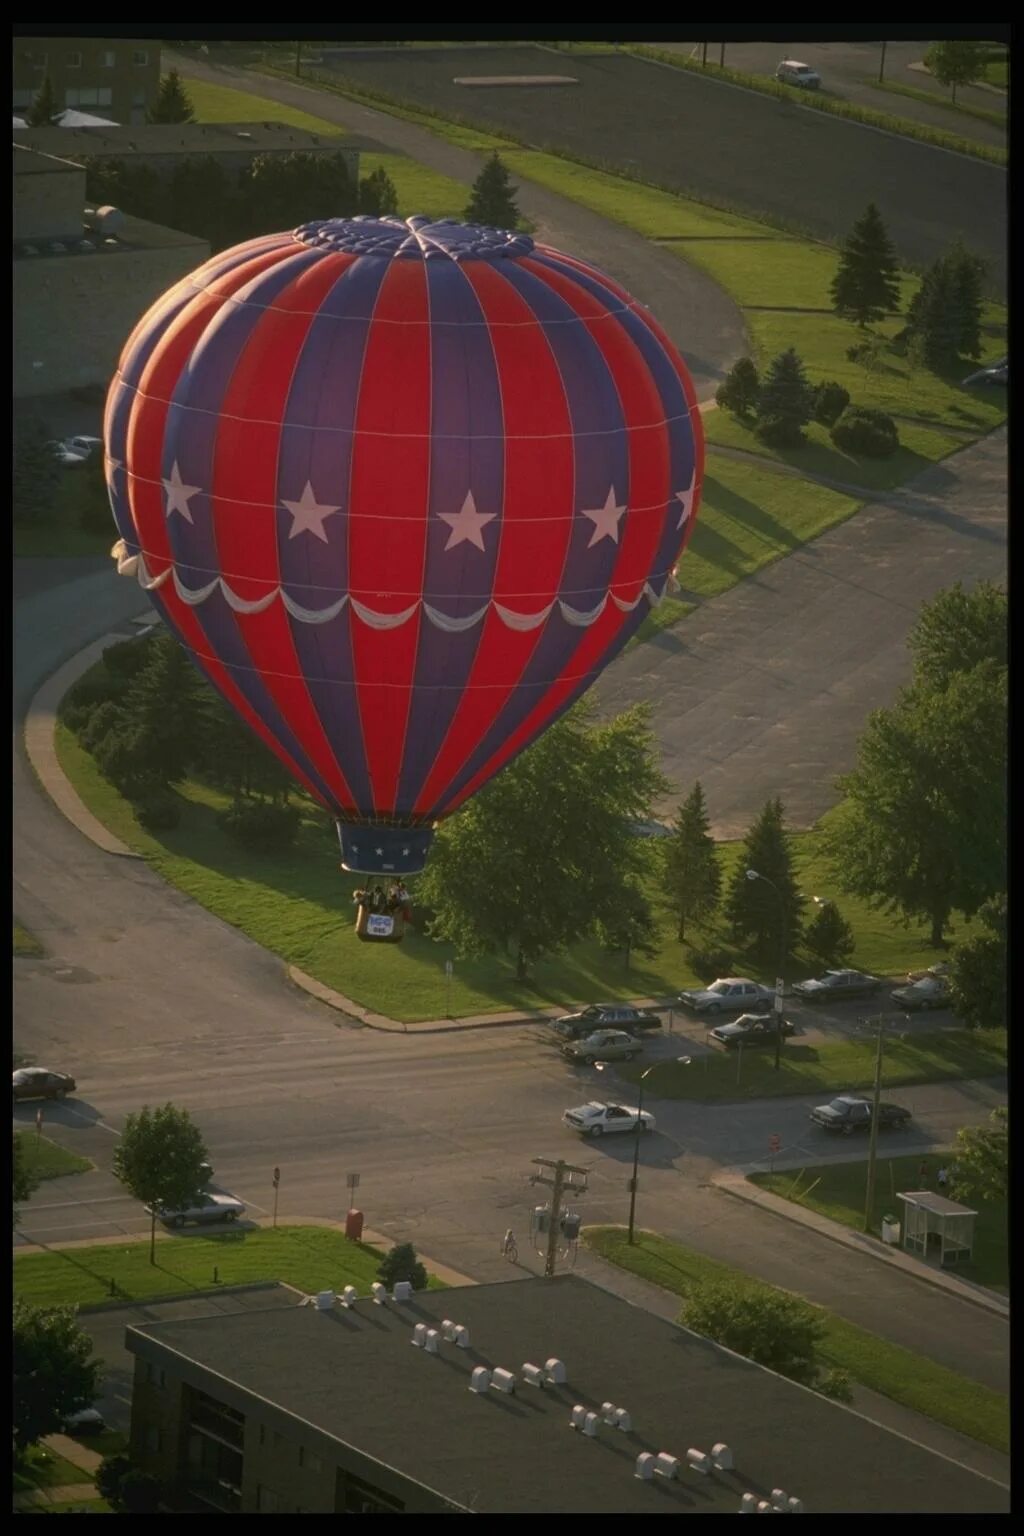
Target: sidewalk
pixel 733 1181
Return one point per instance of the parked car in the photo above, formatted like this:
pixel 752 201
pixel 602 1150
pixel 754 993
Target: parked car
pixel 792 72
pixel 575 1026
pixel 995 373
pixel 926 992
pixel 596 1119
pixel 65 456
pixel 87 1421
pixel 848 1114
pixel 40 1083
pixel 603 1045
pixel 749 1029
pixel 83 445
pixel 203 1208
pixel 730 994
pixel 942 969
pixel 833 986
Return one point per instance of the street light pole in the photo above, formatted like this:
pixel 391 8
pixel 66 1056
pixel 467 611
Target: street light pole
pixel 753 874
pixel 869 1198
pixel 683 1061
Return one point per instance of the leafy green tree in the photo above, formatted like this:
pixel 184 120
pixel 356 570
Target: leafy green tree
pixel 958 630
pixel 740 388
pixel 163 707
pixel 54 1371
pixel 967 273
pixel 756 911
pixel 493 198
pixel 401 1263
pixel 161 1160
pixel 774 1328
pixel 23 1179
pixel 866 286
pixel 981 1168
pixel 283 191
pixel 232 757
pixel 933 320
pixel 378 194
pixel 36 477
pixel 922 828
pixel 45 106
pixel 828 936
pixel 977 971
pixel 136 189
pixel 545 852
pixel 627 922
pixel 786 401
pixel 173 103
pixel 200 199
pixel 693 879
pixel 955 64
pixel 830 401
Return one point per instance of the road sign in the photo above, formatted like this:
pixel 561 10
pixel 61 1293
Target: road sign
pixel 780 987
pixel 448 968
pixel 39 1119
pixel 774 1143
pixel 277 1177
pixel 352 1180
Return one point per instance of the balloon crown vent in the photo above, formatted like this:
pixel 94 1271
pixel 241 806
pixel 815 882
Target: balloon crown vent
pixel 415 239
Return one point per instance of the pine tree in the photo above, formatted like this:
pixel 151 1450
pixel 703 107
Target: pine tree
pixel 966 274
pixel 867 287
pixel 829 937
pixel 173 104
pixel 693 880
pixel 786 401
pixel 493 199
pixel 756 911
pixel 378 194
pixel 738 391
pixel 933 322
pixel 163 708
pixel 45 107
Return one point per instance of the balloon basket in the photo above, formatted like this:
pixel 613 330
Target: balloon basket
pixel 381 927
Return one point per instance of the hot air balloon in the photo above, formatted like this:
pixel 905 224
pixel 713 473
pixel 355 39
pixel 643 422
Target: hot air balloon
pixel 403 488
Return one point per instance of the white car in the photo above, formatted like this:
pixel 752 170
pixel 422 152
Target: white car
pixel 87 1421
pixel 792 72
pixel 596 1119
pixel 203 1208
pixel 69 458
pixel 730 994
pixel 85 447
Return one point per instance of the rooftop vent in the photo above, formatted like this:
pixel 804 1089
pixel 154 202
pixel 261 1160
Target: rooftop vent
pixel 349 1296
pixel 461 1336
pixel 106 220
pixel 480 1379
pixel 583 1420
pixel 748 1504
pixel 324 1301
pixel 765 1508
pixel 780 1500
pixel 243 133
pixel 623 1421
pixel 432 1342
pixel 555 1372
pixel 795 1506
pixel 721 1457
pixel 698 1461
pixel 419 1335
pixel 402 1290
pixel 644 1468
pixel 608 1412
pixel 533 1375
pixel 379 1293
pixel 666 1465
pixel 503 1381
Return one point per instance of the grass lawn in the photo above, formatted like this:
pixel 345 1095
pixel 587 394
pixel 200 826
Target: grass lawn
pixel 87 1507
pixel 299 907
pixel 64 535
pixel 42 1468
pixel 420 190
pixel 310 1258
pixel 907 1378
pixel 932 99
pixel 46 1160
pixel 26 945
pixel 838 1190
pixel 830 1068
pixel 223 104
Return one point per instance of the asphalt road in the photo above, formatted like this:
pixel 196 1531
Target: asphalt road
pixel 719 142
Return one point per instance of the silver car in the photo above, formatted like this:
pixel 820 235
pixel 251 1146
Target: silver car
pixel 730 994
pixel 204 1208
pixel 604 1045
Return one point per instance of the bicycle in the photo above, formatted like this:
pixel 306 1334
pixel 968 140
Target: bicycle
pixel 509 1247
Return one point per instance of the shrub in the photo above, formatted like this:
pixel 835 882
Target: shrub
pixel 830 401
pixel 740 388
pixel 778 432
pixel 836 1385
pixel 402 1264
pixel 868 353
pixel 867 433
pixel 110 1474
pixel 773 1327
pixel 102 720
pixel 261 825
pixel 127 658
pixel 711 962
pixel 89 690
pixel 158 811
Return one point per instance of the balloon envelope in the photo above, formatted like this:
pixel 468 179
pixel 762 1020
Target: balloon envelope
pixel 403 489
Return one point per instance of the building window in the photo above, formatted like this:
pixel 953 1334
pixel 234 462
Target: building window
pixel 263 1434
pixel 138 98
pixel 311 1463
pixel 140 57
pixel 23 99
pixel 267 1501
pixel 73 61
pixel 104 96
pixel 108 59
pixel 360 1498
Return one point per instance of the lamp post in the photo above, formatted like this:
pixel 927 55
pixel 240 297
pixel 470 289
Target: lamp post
pixel 753 874
pixel 683 1061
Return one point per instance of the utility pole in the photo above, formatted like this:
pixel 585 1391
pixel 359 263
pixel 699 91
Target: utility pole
pixel 703 55
pixel 873 1142
pixel 298 57
pixel 881 67
pixel 721 57
pixel 562 1174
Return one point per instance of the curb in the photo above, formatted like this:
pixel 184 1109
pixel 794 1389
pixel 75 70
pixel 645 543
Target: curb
pixel 732 1181
pixel 342 1004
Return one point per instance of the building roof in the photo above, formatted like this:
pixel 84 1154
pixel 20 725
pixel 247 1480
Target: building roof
pixel 353 1376
pixel 184 139
pixel 32 162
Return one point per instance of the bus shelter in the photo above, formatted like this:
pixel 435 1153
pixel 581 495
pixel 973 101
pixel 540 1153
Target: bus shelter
pixel 935 1228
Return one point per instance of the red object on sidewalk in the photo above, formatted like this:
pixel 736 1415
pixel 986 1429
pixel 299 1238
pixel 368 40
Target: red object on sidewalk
pixel 354 1225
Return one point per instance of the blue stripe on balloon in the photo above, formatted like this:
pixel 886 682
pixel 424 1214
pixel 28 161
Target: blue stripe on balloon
pixel 467 431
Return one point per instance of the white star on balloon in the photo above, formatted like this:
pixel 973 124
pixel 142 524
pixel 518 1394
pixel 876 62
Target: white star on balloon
pixel 308 515
pixel 467 524
pixel 605 520
pixel 379 852
pixel 686 497
pixel 178 494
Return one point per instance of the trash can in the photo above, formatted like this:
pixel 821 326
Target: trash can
pixel 890 1230
pixel 354 1225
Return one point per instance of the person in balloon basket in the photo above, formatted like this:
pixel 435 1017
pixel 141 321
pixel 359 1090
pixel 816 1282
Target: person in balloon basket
pixel 399 900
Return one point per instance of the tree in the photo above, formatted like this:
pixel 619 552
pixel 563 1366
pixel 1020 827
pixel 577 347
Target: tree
pixel 36 476
pixel 922 828
pixel 173 104
pixel 126 1487
pixel 693 879
pixel 828 936
pixel 955 63
pixel 493 196
pixel 163 708
pixel 200 200
pixel 54 1371
pixel 967 273
pixel 283 191
pixel 401 1263
pixel 830 401
pixel 756 911
pixel 110 1474
pixel 546 852
pixel 866 286
pixel 740 388
pixel 23 1179
pixel 161 1159
pixel 627 920
pixel 378 194
pixel 981 1168
pixel 786 402
pixel 958 630
pixel 45 106
pixel 774 1328
pixel 231 756
pixel 977 971
pixel 933 325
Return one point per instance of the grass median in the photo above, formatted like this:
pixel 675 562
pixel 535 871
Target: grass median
pixel 837 1190
pixel 310 1258
pixel 44 1159
pixel 26 945
pixel 895 1372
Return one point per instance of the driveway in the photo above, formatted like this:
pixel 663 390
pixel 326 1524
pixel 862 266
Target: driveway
pixel 765 690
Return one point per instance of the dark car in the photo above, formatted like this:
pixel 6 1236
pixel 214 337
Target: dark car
pixel 748 1029
pixel 833 986
pixel 40 1083
pixel 848 1114
pixel 635 1021
pixel 995 373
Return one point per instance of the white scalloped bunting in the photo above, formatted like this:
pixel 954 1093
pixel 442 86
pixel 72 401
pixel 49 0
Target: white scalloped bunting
pixel 383 620
pixel 582 618
pixel 313 615
pixel 521 621
pixel 449 622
